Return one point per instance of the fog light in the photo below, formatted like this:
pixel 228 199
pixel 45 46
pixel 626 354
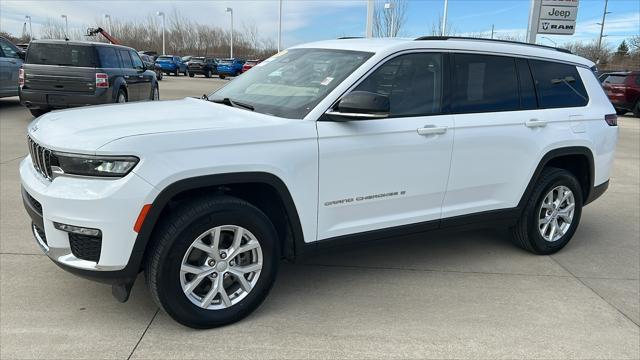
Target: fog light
pixel 77 229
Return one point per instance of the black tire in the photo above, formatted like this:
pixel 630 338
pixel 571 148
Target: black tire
pixel 155 90
pixel 636 109
pixel 186 72
pixel 175 72
pixel 207 74
pixel 621 111
pixel 122 94
pixel 192 74
pixel 38 112
pixel 221 76
pixel 159 75
pixel 172 240
pixel 526 232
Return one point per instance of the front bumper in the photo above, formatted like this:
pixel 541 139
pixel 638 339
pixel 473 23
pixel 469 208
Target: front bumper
pixel 40 99
pixel 109 205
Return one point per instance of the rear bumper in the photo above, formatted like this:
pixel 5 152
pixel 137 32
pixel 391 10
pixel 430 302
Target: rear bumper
pixel 168 67
pixel 38 99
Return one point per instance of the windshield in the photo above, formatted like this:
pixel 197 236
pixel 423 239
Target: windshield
pixel 616 79
pixel 164 58
pixel 197 59
pixel 63 54
pixel 292 82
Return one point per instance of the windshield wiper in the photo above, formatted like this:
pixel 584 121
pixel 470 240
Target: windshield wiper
pixel 233 103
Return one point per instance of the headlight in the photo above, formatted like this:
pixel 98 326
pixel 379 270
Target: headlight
pixel 98 166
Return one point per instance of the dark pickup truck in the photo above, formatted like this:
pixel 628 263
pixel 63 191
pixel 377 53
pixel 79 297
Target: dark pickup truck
pixel 60 74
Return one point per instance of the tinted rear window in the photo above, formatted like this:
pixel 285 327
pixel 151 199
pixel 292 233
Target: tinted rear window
pixel 558 85
pixel 108 57
pixel 62 54
pixel 485 83
pixel 164 58
pixel 615 79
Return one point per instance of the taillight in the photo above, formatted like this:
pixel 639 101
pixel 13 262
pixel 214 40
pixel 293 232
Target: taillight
pixel 21 77
pixel 611 119
pixel 102 80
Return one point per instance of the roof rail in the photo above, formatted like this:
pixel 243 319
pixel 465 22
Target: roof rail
pixel 349 37
pixel 493 40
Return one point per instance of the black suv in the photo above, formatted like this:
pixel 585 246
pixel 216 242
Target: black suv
pixel 60 74
pixel 203 66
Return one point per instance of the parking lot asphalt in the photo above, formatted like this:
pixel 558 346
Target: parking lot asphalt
pixel 461 295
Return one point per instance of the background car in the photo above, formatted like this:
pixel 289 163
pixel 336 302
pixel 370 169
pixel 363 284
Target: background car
pixel 59 74
pixel 249 64
pixel 230 67
pixel 203 66
pixel 150 64
pixel 623 90
pixel 10 61
pixel 186 59
pixel 171 64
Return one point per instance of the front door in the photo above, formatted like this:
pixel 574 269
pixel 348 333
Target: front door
pixel 376 174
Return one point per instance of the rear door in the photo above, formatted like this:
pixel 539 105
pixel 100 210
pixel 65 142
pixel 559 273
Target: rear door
pixel 493 150
pixel 10 62
pixel 388 172
pixel 130 75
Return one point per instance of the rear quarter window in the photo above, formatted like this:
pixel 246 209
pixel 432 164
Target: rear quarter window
pixel 62 54
pixel 558 85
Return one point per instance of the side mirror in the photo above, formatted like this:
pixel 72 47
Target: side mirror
pixel 360 105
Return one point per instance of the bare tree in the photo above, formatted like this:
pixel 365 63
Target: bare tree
pixel 389 17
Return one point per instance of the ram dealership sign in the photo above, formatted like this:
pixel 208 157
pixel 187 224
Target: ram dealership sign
pixel 558 17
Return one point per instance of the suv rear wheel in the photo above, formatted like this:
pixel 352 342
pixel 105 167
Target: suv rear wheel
pixel 155 93
pixel 207 74
pixel 636 109
pixel 212 262
pixel 552 213
pixel 122 96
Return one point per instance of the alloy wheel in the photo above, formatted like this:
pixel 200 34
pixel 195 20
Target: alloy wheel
pixel 556 213
pixel 221 267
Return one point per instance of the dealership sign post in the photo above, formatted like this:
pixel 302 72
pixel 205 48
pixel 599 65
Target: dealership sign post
pixel 555 17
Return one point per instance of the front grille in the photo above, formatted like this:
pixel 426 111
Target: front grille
pixel 41 158
pixel 41 234
pixel 85 247
pixel 35 203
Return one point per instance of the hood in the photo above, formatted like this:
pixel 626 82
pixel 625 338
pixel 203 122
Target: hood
pixel 89 128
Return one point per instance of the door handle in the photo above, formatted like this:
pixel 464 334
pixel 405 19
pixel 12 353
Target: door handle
pixel 432 130
pixel 534 123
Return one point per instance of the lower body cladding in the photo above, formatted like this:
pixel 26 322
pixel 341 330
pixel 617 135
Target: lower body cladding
pixel 42 99
pixel 95 242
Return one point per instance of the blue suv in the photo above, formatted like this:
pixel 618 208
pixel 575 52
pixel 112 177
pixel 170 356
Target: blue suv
pixel 231 67
pixel 172 65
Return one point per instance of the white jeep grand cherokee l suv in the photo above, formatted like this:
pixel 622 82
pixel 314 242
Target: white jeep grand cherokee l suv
pixel 321 144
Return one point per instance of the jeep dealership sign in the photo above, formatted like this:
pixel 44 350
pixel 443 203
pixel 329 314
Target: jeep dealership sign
pixel 558 17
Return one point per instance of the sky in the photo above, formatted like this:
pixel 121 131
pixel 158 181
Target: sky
pixel 311 20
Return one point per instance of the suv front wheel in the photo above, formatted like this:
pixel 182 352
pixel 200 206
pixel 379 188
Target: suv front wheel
pixel 552 213
pixel 212 262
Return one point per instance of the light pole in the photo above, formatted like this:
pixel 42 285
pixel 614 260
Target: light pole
pixel 554 43
pixel 389 7
pixel 230 10
pixel 604 15
pixel 27 17
pixel 108 18
pixel 370 11
pixel 280 26
pixel 160 13
pixel 444 18
pixel 66 21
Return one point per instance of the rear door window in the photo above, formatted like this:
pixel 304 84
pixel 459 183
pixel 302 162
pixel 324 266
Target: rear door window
pixel 108 57
pixel 63 54
pixel 615 79
pixel 485 83
pixel 126 59
pixel 412 82
pixel 558 85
